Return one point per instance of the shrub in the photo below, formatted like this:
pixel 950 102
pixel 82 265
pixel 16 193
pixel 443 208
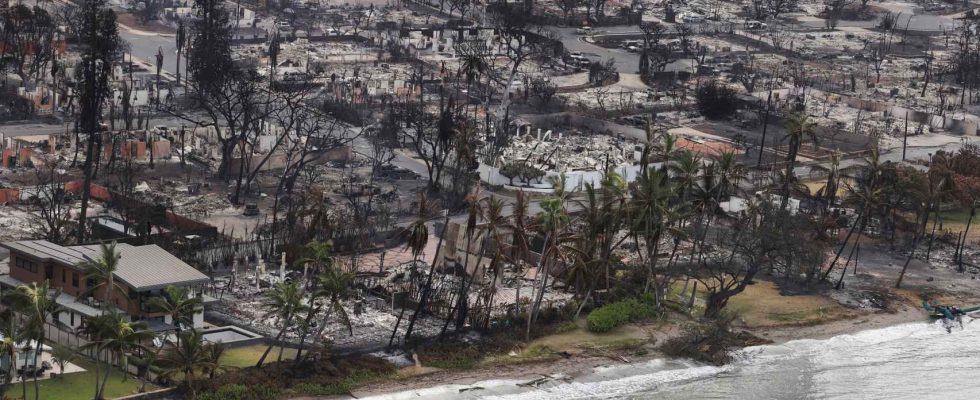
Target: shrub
pixel 710 341
pixel 609 316
pixel 716 101
pixel 277 380
pixel 648 299
pixel 341 387
pixel 565 327
pixel 346 112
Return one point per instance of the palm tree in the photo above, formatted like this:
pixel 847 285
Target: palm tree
pixel 113 337
pixel 102 271
pixel 417 234
pixel 553 220
pixel 685 169
pixel 474 208
pixel 652 212
pixel 334 286
pixel 146 361
pixel 427 288
pixel 473 66
pixel 582 271
pixel 11 332
pixel 179 304
pixel 665 148
pixel 37 302
pixel 604 216
pixel 284 302
pixel 798 128
pixel 215 350
pixel 494 224
pixel 729 171
pixel 187 359
pixel 62 355
pixel 939 183
pixel 866 195
pixel 828 193
pixel 320 258
pixel 519 226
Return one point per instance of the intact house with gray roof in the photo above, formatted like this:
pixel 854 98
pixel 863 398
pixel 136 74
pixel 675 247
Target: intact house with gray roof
pixel 144 272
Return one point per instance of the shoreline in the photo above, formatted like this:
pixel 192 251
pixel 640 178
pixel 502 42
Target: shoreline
pixel 905 313
pixel 577 365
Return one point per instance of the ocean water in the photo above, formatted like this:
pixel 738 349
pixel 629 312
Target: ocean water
pixel 911 361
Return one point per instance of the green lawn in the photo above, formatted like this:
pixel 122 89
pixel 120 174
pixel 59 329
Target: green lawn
pixel 247 356
pixel 960 216
pixel 955 221
pixel 80 385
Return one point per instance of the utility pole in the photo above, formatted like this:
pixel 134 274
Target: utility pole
pixel 905 138
pixel 765 127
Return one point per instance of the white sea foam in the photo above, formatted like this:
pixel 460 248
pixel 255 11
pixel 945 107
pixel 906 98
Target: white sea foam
pixel 911 361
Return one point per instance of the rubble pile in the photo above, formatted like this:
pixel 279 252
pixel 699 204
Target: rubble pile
pixel 617 98
pixel 371 318
pixel 15 224
pixel 410 18
pixel 303 51
pixel 720 44
pixel 198 206
pixel 848 41
pixel 829 111
pixel 569 151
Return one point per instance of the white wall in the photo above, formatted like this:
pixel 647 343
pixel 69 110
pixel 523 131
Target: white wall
pixel 65 318
pixel 574 180
pixel 199 320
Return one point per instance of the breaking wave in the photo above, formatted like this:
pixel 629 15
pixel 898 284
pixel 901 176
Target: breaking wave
pixel 911 361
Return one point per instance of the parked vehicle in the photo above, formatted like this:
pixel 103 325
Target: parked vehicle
pixel 755 25
pixel 630 43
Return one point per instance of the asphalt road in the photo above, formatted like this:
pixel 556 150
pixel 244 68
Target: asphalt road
pixel 145 46
pixel 625 61
pixel 31 129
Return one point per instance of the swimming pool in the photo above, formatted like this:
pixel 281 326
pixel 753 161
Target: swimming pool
pixel 229 334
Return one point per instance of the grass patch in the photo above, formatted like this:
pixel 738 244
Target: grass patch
pixel 762 305
pixel 681 296
pixel 534 353
pixel 955 221
pixel 606 348
pixel 458 358
pixel 81 385
pixel 957 216
pixel 247 356
pixel 579 339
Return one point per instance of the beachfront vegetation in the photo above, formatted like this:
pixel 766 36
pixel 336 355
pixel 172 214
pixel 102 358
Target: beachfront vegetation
pixel 609 316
